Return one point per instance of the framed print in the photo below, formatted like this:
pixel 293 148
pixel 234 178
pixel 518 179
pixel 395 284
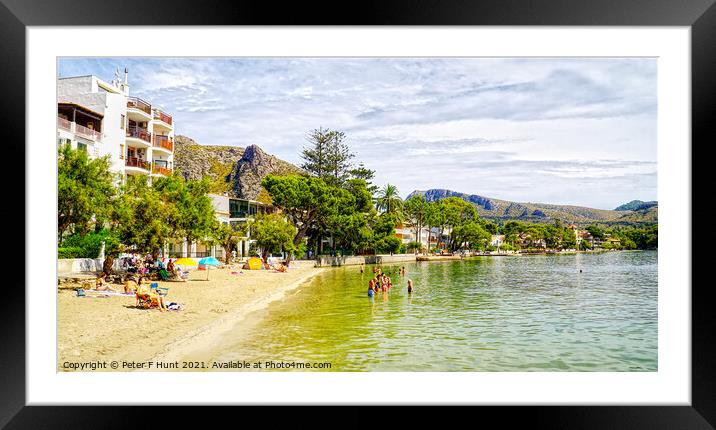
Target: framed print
pixel 458 207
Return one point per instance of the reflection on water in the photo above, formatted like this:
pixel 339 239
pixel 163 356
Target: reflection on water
pixel 528 313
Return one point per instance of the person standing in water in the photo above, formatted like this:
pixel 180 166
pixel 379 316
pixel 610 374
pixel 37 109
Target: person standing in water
pixel 410 286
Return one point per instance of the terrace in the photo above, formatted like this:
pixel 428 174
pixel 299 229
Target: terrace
pixel 163 117
pixel 140 133
pixel 80 121
pixel 164 142
pixel 160 170
pixel 138 104
pixel 136 162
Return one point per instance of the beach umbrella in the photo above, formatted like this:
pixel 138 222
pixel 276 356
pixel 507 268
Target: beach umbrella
pixel 185 262
pixel 209 261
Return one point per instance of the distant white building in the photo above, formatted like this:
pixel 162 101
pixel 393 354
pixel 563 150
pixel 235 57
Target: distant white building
pixel 428 238
pixel 229 210
pixel 104 119
pixel 497 240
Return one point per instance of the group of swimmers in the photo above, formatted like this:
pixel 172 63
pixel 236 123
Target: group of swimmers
pixel 382 282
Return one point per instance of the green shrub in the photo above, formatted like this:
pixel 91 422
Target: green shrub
pixel 413 246
pixel 387 245
pixel 70 252
pixel 87 246
pixel 506 247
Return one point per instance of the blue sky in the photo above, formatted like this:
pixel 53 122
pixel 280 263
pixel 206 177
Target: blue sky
pixel 565 131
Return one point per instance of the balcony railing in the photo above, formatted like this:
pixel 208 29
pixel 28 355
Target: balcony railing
pixel 83 131
pixel 87 132
pixel 161 116
pixel 165 142
pixel 136 162
pixel 161 170
pixel 137 103
pixel 64 124
pixel 139 133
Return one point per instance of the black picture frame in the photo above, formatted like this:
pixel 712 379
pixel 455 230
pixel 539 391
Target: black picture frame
pixel 16 15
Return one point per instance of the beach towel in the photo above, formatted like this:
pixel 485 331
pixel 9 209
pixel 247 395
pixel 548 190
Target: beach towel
pixel 164 275
pixel 107 293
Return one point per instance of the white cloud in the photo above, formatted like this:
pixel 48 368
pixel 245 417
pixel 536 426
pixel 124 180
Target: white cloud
pixel 579 131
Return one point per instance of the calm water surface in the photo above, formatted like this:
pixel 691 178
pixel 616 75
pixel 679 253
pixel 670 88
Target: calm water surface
pixel 527 313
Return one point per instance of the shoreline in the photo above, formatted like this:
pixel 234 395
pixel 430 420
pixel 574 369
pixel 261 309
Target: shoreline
pixel 104 329
pixel 209 335
pixel 110 328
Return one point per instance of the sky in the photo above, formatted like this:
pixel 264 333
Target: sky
pixel 541 130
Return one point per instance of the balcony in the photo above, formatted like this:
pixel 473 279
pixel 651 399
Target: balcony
pixel 78 129
pixel 139 133
pixel 164 142
pixel 161 170
pixel 87 132
pixel 139 104
pixel 136 162
pixel 64 124
pixel 161 116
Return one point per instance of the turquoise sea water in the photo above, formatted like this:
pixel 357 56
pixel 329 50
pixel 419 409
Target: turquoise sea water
pixel 527 313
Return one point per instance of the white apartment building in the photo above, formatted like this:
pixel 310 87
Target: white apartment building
pixel 406 234
pixel 105 120
pixel 235 211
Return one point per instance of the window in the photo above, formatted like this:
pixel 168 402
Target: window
pixel 121 124
pixel 238 208
pixel 81 146
pixel 121 152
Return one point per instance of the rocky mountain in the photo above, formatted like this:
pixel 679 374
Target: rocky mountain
pixel 503 210
pixel 636 205
pixel 233 170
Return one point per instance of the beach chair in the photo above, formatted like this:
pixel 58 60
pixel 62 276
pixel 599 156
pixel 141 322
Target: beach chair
pixel 162 291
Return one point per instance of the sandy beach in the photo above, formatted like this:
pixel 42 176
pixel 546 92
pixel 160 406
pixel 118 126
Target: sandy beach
pixel 94 328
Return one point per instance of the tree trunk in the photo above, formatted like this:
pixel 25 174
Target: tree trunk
pixel 227 253
pixel 107 266
pixel 429 232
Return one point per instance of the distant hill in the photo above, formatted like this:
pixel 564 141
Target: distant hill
pixel 504 210
pixel 233 170
pixel 636 205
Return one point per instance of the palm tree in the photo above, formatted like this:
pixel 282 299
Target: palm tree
pixel 388 199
